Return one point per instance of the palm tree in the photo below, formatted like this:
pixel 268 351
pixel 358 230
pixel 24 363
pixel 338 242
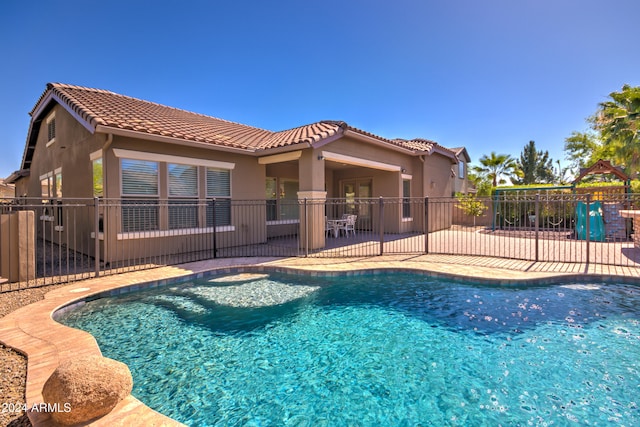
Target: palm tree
pixel 618 121
pixel 495 166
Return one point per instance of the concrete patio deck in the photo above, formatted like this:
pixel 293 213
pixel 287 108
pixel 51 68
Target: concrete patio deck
pixel 46 343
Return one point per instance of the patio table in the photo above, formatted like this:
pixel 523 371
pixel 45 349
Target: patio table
pixel 335 224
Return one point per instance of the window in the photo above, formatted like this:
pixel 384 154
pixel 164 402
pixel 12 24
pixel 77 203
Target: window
pixel 46 184
pixel 282 199
pixel 140 195
pixel 219 187
pixel 58 184
pixel 461 169
pixel 406 201
pixel 288 199
pixel 51 185
pixel 139 177
pixel 183 196
pixel 98 184
pixel 51 189
pixel 271 195
pixel 51 129
pixel 58 195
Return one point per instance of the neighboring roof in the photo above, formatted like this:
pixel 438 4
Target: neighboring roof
pixel 425 146
pixel 602 167
pixel 104 111
pixel 461 152
pixel 15 176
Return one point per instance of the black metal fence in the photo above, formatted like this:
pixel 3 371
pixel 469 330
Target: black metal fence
pixel 57 241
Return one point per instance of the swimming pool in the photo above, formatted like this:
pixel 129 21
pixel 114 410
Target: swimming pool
pixel 376 349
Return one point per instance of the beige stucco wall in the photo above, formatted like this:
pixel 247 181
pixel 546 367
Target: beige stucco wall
pixel 17 246
pixel 7 190
pixel 247 183
pixel 22 186
pixel 70 153
pixel 430 176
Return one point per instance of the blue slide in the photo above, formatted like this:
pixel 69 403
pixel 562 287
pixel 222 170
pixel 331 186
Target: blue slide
pixel 596 224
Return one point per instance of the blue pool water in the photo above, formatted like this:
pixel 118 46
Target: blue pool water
pixel 386 349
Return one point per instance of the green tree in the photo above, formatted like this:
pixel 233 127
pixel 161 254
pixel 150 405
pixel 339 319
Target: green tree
pixel 495 166
pixel 561 175
pixel 536 167
pixel 581 148
pixel 470 205
pixel 618 121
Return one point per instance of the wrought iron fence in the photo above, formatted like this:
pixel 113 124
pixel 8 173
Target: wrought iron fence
pixel 56 241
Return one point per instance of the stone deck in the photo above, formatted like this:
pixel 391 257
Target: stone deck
pixel 46 343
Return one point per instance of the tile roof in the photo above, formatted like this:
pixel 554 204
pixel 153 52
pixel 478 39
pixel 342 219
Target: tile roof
pixel 98 107
pixel 109 109
pixel 309 133
pixel 425 146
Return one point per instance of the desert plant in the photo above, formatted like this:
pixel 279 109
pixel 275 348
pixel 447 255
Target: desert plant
pixel 470 205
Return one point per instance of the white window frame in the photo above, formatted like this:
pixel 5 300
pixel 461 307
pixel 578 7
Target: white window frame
pixel 406 178
pixel 54 194
pixel 170 159
pixel 94 157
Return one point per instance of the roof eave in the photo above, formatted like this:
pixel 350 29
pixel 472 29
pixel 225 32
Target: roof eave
pixel 380 142
pixel 15 176
pixel 440 150
pixel 283 148
pixel 170 140
pixel 43 107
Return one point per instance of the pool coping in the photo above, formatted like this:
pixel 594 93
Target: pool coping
pixel 32 330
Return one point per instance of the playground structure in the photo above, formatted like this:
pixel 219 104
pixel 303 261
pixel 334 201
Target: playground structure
pixel 583 213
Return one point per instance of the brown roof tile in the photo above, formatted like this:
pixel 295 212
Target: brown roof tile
pixel 425 145
pixel 98 107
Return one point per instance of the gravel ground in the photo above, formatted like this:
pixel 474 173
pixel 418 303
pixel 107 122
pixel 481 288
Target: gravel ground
pixel 13 365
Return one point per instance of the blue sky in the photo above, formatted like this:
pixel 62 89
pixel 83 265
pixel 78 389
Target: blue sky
pixel 489 75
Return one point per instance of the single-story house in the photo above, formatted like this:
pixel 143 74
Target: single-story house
pixel 86 143
pixel 6 190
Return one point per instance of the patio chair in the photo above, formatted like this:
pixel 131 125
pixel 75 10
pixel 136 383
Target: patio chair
pixel 349 224
pixel 330 227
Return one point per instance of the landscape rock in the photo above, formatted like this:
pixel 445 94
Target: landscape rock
pixel 86 388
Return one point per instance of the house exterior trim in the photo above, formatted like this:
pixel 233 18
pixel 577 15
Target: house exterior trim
pixel 142 155
pixel 168 139
pixel 277 158
pixel 356 161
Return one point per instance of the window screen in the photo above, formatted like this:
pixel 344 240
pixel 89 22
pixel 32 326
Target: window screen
pixel 183 180
pixel 219 186
pixel 218 182
pixel 139 177
pixel 183 189
pixel 406 201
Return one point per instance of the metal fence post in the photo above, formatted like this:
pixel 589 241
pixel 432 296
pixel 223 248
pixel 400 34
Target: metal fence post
pixel 588 227
pixel 381 225
pixel 426 224
pixel 306 229
pixel 96 234
pixel 215 233
pixel 536 226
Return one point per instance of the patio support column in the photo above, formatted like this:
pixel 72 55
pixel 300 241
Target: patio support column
pixel 311 181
